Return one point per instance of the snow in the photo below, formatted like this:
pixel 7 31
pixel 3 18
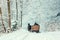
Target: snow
pixel 23 34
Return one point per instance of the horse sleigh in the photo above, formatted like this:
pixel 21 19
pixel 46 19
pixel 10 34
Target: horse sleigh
pixel 34 28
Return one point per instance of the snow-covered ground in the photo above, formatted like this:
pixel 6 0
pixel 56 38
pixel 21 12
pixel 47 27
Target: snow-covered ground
pixel 25 35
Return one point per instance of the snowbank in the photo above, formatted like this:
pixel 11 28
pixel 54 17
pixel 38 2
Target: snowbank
pixel 25 35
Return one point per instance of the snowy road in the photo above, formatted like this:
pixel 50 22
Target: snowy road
pixel 25 35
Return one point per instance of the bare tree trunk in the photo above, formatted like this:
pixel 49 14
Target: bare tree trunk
pixel 9 15
pixel 2 20
pixel 16 10
pixel 21 1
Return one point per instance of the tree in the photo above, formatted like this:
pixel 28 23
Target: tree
pixel 2 20
pixel 21 6
pixel 16 10
pixel 9 15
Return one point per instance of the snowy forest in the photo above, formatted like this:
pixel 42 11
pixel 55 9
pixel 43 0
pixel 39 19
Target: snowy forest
pixel 18 13
pixel 15 14
pixel 42 16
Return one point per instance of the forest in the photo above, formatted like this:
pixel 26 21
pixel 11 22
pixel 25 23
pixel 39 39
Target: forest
pixel 29 19
pixel 15 14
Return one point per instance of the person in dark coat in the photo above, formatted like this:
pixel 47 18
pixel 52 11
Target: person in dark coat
pixel 29 27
